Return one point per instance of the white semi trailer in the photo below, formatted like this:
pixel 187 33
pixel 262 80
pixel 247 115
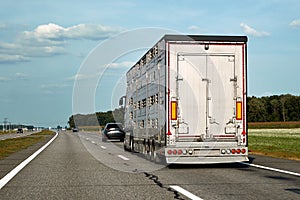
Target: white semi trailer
pixel 186 100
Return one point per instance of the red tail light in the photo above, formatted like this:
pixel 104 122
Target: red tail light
pixel 179 152
pixel 243 151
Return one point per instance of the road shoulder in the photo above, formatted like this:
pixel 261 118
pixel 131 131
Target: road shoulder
pixel 9 163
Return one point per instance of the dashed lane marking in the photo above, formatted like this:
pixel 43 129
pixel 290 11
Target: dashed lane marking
pixel 103 147
pixel 185 192
pixel 123 157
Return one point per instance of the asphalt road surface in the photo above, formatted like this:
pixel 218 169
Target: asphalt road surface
pixel 80 166
pixel 15 135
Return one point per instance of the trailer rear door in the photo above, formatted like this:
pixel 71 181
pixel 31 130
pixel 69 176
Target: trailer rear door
pixel 207 94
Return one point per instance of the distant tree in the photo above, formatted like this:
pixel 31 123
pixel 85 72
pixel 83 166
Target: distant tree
pixel 71 122
pixel 105 117
pixel 292 108
pixel 274 108
pixel 118 114
pixel 256 110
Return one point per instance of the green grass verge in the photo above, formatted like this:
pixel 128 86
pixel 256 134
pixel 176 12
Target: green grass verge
pixel 10 146
pixel 282 143
pixel 6 132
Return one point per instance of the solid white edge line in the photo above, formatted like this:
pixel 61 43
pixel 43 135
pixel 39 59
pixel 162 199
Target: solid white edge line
pixel 123 157
pixel 185 192
pixel 272 169
pixel 17 169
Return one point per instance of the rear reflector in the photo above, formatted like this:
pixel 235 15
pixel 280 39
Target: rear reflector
pixel 173 110
pixel 239 110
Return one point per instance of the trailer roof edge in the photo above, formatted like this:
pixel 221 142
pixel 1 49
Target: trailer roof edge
pixel 216 38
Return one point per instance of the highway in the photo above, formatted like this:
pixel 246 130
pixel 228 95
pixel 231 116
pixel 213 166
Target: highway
pixel 15 135
pixel 80 166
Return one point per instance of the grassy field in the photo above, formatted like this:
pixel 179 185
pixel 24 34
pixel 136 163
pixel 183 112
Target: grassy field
pixel 90 128
pixel 10 146
pixel 282 143
pixel 6 132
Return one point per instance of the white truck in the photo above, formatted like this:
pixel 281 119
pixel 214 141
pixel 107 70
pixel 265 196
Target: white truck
pixel 185 100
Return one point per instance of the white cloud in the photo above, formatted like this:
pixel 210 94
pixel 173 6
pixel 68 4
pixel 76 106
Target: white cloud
pixel 252 32
pixel 3 26
pixel 80 77
pixel 49 39
pixel 4 79
pixel 21 75
pixel 54 86
pixel 101 71
pixel 90 31
pixel 16 52
pixel 49 31
pixel 295 23
pixel 195 28
pixel 56 34
pixel 124 64
pixel 6 58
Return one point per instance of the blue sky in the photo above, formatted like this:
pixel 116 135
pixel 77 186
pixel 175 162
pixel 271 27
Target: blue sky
pixel 45 44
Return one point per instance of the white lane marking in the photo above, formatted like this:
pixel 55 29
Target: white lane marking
pixel 272 169
pixel 17 169
pixel 123 157
pixel 185 192
pixel 103 147
pixel 93 142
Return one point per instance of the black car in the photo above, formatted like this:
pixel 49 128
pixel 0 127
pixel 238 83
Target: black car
pixel 20 130
pixel 75 129
pixel 113 131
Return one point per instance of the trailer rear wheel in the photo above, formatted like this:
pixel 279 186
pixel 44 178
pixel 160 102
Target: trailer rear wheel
pixel 124 145
pixel 153 155
pixel 147 150
pixel 132 144
pixel 144 149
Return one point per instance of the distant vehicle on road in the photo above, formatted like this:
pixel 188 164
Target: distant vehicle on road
pixel 20 130
pixel 75 129
pixel 113 131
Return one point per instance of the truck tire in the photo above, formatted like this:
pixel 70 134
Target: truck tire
pixel 131 145
pixel 124 145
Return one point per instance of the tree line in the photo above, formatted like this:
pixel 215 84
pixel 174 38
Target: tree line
pixel 97 119
pixel 276 108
